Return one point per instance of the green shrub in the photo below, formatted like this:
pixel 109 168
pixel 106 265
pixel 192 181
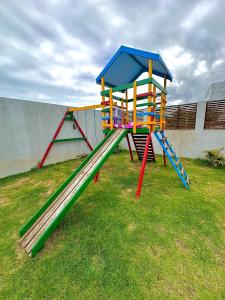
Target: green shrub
pixel 215 157
pixel 117 150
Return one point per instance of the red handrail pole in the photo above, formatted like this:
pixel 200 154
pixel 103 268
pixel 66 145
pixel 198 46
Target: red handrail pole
pixel 83 135
pixel 138 192
pixel 128 142
pixel 40 164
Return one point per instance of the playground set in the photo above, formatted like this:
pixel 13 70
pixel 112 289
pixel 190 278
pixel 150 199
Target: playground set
pixel 124 113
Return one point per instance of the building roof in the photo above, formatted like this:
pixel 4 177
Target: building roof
pixel 127 64
pixel 216 91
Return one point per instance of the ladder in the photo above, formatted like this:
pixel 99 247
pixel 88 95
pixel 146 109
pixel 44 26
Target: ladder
pixel 139 140
pixel 173 158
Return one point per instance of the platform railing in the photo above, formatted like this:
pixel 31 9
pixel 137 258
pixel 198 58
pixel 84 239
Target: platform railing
pixel 155 111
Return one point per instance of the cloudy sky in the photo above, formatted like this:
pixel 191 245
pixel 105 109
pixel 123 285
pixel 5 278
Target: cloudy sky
pixel 52 50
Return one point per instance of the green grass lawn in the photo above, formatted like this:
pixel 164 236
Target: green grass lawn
pixel 168 245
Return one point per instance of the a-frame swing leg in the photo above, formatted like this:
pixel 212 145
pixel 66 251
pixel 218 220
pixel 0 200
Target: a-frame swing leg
pixel 142 171
pixel 40 164
pixel 129 146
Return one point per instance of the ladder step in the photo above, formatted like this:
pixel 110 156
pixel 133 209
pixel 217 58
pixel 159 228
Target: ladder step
pixel 140 143
pixel 188 180
pixel 177 162
pixel 172 157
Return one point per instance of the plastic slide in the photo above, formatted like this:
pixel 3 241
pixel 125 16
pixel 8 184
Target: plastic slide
pixel 36 231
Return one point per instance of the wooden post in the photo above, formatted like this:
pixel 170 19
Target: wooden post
pixel 150 91
pixel 164 125
pixel 164 105
pixel 111 109
pixel 135 108
pixel 154 110
pixel 122 101
pixel 103 100
pixel 126 95
pixel 161 110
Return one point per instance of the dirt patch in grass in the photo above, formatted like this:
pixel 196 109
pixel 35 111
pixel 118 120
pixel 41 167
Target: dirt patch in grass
pixel 131 227
pixel 4 201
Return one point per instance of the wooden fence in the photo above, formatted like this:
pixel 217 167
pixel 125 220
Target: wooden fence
pixel 215 115
pixel 181 116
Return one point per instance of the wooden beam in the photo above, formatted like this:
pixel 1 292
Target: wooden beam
pixel 85 107
pixel 111 108
pixel 149 118
pixel 134 107
pixel 126 86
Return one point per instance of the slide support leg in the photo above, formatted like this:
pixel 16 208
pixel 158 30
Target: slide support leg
pixel 164 158
pixel 129 146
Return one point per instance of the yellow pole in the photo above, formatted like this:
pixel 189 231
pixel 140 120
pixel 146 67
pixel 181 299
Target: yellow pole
pixel 164 105
pixel 122 110
pixel 103 100
pixel 153 109
pixel 111 108
pixel 126 95
pixel 135 108
pixel 86 107
pixel 161 111
pixel 149 90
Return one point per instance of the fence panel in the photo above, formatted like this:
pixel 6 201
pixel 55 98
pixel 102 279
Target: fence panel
pixel 215 115
pixel 181 116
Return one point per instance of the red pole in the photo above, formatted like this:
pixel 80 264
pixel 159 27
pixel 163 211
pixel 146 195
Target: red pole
pixel 96 177
pixel 40 164
pixel 164 158
pixel 138 192
pixel 128 142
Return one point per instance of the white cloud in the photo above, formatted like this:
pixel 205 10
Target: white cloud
pixel 201 68
pixel 198 13
pixel 53 49
pixel 176 57
pixel 218 62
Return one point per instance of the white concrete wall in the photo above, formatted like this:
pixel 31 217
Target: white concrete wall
pixel 193 143
pixel 27 127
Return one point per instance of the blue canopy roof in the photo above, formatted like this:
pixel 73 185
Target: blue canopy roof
pixel 128 64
